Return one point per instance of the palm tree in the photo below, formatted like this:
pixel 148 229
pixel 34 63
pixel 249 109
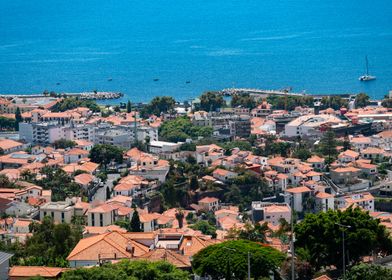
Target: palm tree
pixel 180 217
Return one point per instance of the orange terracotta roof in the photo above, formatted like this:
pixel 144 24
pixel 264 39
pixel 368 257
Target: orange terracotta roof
pixel 77 151
pixel 125 187
pixel 315 159
pixel 106 245
pixel 298 190
pixel 372 150
pixel 103 208
pixel 31 271
pixel 221 172
pixel 170 256
pixel 277 208
pixel 84 178
pixel 208 200
pixel 345 169
pixel 349 153
pixel 193 244
pixel 147 217
pixel 9 144
pixel 323 195
pixel 322 277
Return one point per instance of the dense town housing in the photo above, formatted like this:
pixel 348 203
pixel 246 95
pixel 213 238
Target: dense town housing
pixel 165 180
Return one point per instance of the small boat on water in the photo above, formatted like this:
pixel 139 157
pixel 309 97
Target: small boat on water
pixel 110 79
pixel 367 77
pixel 58 84
pixel 188 82
pixel 156 80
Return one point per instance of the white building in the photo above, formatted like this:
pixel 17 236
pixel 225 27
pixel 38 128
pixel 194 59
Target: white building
pixel 309 125
pixel 270 212
pixel 60 211
pixel 41 133
pixel 299 195
pixel 159 147
pixel 324 201
pixel 364 200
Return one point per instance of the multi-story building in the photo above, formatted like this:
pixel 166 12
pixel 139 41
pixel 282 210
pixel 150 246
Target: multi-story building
pixel 41 133
pixel 309 125
pixel 60 211
pixel 364 200
pixel 270 212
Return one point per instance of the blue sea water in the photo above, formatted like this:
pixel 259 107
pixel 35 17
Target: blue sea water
pixel 317 46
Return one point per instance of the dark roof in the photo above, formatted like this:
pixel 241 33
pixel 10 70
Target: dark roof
pixel 4 257
pixel 4 204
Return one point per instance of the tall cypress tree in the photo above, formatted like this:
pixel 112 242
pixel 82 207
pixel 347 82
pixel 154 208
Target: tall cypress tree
pixel 129 106
pixel 18 118
pixel 135 222
pixel 328 145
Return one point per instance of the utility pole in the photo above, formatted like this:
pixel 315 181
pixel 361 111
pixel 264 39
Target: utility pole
pixel 292 230
pixel 292 238
pixel 343 247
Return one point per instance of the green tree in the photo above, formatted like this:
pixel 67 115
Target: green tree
pixel 229 260
pixel 135 222
pixel 242 145
pixel 243 100
pixel 7 123
pixel 369 272
pixel 128 269
pixel 105 154
pixel 328 145
pixel 18 118
pixel 55 240
pixel 211 101
pixel 362 100
pixel 58 181
pixel 158 105
pixel 289 102
pixel 193 183
pixel 273 147
pixel 129 106
pixel 5 182
pixel 334 102
pixel 321 237
pixel 256 232
pixel 124 223
pixel 70 103
pixel 64 144
pixel 387 103
pixel 205 227
pixel 180 129
pixel 180 217
pixel 302 153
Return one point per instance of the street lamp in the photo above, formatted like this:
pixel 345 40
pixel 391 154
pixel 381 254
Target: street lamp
pixel 344 253
pixel 292 233
pixel 292 229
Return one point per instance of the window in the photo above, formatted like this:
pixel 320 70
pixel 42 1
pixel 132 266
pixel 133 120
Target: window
pixel 44 213
pixel 101 219
pixel 52 214
pixel 92 219
pixel 62 217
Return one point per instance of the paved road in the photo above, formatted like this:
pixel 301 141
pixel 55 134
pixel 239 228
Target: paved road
pixel 101 192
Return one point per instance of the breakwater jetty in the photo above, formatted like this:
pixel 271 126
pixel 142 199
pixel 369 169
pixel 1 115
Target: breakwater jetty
pixel 93 95
pixel 266 93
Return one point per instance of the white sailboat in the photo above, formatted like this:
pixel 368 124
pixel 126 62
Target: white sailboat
pixel 367 77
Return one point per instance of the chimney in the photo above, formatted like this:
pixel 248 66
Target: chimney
pixel 130 248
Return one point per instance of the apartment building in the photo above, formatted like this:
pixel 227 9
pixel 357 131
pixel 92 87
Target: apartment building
pixel 60 211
